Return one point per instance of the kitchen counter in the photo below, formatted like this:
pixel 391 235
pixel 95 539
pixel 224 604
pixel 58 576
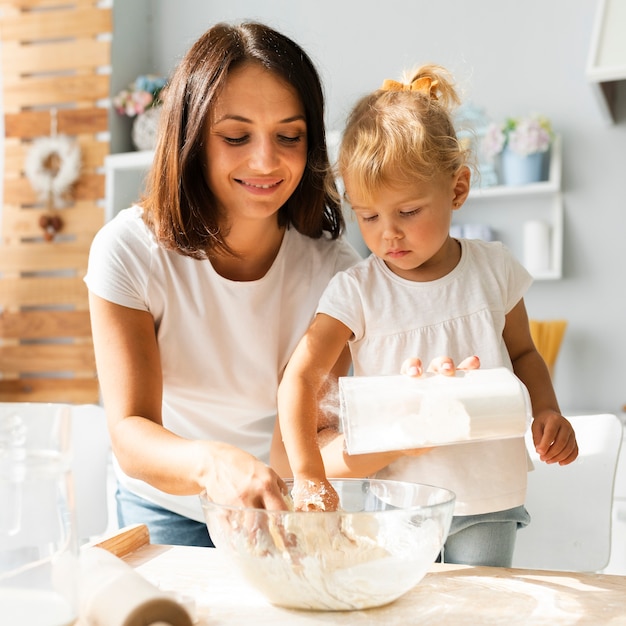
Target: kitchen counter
pixel 448 595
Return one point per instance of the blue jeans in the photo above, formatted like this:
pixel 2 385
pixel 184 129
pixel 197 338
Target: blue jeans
pixel 166 527
pixel 487 539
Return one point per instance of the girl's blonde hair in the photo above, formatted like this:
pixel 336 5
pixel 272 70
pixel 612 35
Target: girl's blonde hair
pixel 402 133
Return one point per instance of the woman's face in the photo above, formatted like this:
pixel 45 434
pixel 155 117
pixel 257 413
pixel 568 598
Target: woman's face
pixel 256 149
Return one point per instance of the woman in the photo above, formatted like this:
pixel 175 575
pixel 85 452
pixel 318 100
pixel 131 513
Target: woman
pixel 199 295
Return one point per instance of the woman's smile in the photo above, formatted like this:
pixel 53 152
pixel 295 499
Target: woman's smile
pixel 256 186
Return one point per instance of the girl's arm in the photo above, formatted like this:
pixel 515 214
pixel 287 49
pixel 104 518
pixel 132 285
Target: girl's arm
pixel 305 381
pixel 130 377
pixel 327 418
pixel 553 435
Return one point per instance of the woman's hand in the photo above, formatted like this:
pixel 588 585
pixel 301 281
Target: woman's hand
pixel 236 478
pixel 441 365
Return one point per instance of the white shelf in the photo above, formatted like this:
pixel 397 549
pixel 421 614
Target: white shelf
pixel 552 185
pixel 506 208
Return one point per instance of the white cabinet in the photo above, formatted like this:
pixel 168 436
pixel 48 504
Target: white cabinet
pixel 606 65
pixel 125 173
pixel 507 208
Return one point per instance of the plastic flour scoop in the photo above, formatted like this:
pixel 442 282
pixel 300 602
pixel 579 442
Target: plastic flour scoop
pixel 380 413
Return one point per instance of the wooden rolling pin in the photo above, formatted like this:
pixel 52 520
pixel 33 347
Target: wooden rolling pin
pixel 113 594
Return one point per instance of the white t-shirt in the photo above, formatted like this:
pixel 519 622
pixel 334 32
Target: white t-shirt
pixel 459 315
pixel 223 343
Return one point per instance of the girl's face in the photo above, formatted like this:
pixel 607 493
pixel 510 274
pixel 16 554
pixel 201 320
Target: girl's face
pixel 256 147
pixel 408 225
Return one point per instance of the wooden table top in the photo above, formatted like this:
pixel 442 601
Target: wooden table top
pixel 448 595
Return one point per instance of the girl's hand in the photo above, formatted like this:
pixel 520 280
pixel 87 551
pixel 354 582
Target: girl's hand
pixel 314 495
pixel 441 365
pixel 554 438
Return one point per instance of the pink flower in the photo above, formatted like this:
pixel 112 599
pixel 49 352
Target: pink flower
pixel 529 137
pixel 524 136
pixel 141 101
pixel 140 96
pixel 493 141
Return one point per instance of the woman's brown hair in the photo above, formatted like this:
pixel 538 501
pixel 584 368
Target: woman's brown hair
pixel 178 204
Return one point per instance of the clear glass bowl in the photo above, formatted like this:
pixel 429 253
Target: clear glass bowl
pixel 375 549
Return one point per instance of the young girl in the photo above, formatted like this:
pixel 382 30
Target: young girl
pixel 199 296
pixel 421 292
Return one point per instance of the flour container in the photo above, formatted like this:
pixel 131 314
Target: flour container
pixel 380 413
pixel 38 547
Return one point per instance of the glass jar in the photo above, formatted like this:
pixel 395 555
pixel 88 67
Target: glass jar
pixel 38 545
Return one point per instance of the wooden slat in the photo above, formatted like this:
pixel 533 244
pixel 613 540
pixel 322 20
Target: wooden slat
pixel 31 124
pixel 92 155
pixel 44 324
pixel 87 187
pixel 58 357
pixel 82 22
pixel 46 256
pixel 70 390
pixel 55 57
pixel 33 92
pixel 83 220
pixel 30 292
pixel 15 6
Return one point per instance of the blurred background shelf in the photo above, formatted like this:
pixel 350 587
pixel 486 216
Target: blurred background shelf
pixel 125 174
pixel 505 209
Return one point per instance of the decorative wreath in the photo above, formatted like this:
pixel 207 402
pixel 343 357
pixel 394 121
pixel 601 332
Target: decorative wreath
pixel 52 167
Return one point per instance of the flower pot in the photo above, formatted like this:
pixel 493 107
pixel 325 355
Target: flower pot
pixel 521 170
pixel 145 128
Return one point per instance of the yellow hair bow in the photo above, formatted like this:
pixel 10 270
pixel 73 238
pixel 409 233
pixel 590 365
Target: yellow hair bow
pixel 425 85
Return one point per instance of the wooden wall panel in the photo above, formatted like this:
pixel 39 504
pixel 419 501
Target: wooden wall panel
pixel 56 56
pixel 31 124
pixel 24 292
pixel 36 26
pixel 41 389
pixel 19 191
pixel 55 79
pixel 34 257
pixel 62 90
pixel 83 220
pixel 44 324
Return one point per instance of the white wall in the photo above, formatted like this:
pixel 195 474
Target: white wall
pixel 513 58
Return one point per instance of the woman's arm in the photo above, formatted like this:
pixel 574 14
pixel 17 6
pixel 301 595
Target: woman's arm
pixel 130 377
pixel 553 435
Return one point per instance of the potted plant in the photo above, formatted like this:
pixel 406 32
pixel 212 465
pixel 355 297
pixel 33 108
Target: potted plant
pixel 521 144
pixel 140 100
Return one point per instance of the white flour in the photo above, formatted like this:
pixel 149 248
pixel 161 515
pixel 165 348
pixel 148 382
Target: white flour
pixel 360 564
